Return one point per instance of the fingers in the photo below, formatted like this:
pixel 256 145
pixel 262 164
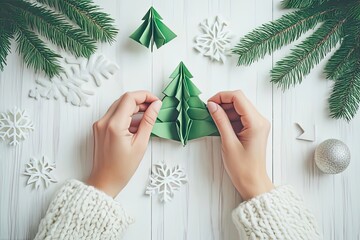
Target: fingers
pixel 135 122
pixel 129 104
pixel 227 106
pixel 114 105
pixel 222 122
pixel 241 104
pixel 232 114
pixel 147 123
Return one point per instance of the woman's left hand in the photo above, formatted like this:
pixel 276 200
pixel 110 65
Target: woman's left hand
pixel 121 137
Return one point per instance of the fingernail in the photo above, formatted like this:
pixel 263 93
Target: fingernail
pixel 157 105
pixel 212 107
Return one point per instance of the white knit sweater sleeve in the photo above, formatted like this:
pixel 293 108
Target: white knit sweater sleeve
pixel 82 212
pixel 278 214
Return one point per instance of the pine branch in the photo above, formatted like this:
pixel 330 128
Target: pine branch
pixel 301 3
pixel 35 53
pixel 340 24
pixel 354 10
pixel 290 70
pixel 274 35
pixel 340 60
pixel 6 34
pixel 55 28
pixel 349 49
pixel 88 16
pixel 345 98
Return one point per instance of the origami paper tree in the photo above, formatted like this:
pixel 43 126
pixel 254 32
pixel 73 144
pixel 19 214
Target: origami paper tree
pixel 153 30
pixel 183 116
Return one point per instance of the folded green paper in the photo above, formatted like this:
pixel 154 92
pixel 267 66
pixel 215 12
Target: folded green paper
pixel 183 116
pixel 153 30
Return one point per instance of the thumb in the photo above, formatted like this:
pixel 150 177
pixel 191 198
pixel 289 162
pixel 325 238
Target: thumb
pixel 222 122
pixel 147 122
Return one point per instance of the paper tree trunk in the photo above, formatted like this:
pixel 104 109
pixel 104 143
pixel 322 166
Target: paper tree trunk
pixel 153 30
pixel 183 116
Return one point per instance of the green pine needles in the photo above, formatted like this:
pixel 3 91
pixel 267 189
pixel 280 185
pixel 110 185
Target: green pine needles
pixel 336 23
pixel 73 25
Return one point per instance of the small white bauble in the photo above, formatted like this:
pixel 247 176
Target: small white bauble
pixel 332 156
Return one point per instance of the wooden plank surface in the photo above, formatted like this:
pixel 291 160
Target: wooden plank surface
pixel 202 209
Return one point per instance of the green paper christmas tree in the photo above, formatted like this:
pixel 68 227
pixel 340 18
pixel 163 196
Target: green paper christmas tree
pixel 183 116
pixel 72 25
pixel 153 30
pixel 336 23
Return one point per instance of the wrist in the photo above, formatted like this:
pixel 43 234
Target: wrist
pixel 251 188
pixel 104 185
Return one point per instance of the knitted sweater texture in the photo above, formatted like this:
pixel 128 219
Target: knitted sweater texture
pixel 79 211
pixel 278 214
pixel 82 212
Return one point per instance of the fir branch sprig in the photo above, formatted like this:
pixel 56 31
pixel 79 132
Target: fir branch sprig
pixel 89 17
pixel 291 69
pixel 345 97
pixel 75 27
pixel 337 23
pixel 272 36
pixel 341 58
pixel 301 3
pixel 35 53
pixel 55 28
pixel 6 33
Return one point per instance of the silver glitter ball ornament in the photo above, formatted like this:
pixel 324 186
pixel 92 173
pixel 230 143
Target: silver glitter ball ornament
pixel 332 156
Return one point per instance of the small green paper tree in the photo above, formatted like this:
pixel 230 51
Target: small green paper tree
pixel 183 116
pixel 73 25
pixel 153 30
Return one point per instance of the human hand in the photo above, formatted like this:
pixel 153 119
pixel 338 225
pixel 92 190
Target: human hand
pixel 244 134
pixel 120 140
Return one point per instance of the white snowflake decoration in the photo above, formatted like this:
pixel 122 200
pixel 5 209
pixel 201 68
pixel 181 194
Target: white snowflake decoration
pixel 215 40
pixel 15 126
pixel 78 72
pixel 165 181
pixel 40 171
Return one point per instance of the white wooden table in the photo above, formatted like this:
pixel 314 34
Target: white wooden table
pixel 202 209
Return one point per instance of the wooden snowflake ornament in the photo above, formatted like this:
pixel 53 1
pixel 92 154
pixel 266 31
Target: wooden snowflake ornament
pixel 15 126
pixel 215 39
pixel 40 170
pixel 165 181
pixel 77 80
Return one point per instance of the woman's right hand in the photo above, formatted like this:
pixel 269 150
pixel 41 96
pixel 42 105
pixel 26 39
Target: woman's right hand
pixel 244 133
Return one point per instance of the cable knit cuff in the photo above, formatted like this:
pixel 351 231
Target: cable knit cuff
pixel 83 212
pixel 278 214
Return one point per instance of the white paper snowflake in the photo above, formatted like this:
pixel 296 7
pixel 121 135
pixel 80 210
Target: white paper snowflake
pixel 165 181
pixel 75 82
pixel 40 171
pixel 215 40
pixel 15 126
